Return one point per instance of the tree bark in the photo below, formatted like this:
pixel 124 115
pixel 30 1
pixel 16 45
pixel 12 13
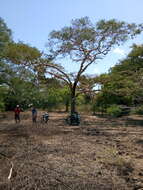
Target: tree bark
pixel 73 100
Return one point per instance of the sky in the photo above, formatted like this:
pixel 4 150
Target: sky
pixel 31 21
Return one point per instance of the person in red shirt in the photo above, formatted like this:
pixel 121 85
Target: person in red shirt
pixel 17 111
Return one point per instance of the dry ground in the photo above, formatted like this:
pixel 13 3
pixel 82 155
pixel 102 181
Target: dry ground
pixel 101 153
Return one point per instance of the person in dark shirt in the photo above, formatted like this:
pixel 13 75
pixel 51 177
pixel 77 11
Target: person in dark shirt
pixel 34 115
pixel 17 111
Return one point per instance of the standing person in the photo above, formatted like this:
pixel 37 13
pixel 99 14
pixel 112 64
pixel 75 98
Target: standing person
pixel 34 114
pixel 17 111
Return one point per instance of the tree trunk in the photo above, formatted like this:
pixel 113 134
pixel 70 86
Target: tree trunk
pixel 73 101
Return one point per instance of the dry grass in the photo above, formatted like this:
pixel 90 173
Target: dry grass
pixel 98 154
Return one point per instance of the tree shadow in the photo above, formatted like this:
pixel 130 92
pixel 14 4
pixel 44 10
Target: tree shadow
pixel 14 131
pixel 136 122
pixel 139 141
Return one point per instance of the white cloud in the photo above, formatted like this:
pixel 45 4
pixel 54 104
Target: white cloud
pixel 119 51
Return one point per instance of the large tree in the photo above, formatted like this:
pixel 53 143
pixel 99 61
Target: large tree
pixel 84 43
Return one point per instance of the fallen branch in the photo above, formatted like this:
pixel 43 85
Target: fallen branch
pixel 11 163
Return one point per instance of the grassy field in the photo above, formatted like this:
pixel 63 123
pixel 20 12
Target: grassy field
pixel 101 153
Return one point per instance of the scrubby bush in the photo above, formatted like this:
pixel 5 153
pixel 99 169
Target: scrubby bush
pixel 2 106
pixel 138 110
pixel 114 111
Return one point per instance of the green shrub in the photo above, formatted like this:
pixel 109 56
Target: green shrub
pixel 114 111
pixel 138 110
pixel 2 106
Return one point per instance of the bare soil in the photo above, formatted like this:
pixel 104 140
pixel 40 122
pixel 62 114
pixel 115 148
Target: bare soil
pixel 101 153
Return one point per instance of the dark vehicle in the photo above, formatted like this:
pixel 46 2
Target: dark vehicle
pixel 73 119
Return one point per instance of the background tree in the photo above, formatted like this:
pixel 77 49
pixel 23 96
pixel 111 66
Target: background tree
pixel 65 97
pixel 17 86
pixel 5 37
pixel 123 85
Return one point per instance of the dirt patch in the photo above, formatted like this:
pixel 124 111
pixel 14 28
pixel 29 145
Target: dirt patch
pixel 101 153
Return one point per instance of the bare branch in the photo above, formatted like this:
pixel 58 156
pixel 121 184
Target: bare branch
pixel 59 77
pixel 60 70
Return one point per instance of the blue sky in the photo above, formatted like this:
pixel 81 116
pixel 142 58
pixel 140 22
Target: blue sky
pixel 32 20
